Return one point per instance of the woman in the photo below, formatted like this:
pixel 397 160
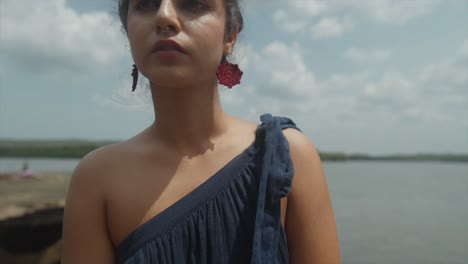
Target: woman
pixel 198 185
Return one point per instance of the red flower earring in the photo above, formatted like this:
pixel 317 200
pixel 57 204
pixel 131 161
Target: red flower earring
pixel 229 74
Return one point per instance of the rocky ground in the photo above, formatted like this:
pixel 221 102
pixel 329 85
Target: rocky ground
pixel 31 212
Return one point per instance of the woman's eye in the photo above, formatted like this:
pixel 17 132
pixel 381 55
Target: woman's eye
pixel 189 5
pixel 147 4
pixel 195 5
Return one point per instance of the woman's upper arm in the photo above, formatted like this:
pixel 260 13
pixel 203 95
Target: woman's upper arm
pixel 310 222
pixel 85 235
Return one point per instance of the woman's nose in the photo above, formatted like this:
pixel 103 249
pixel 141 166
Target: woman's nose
pixel 167 17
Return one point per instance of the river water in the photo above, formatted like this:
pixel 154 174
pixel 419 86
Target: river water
pixel 387 212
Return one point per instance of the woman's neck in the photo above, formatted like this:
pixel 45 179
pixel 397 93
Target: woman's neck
pixel 188 119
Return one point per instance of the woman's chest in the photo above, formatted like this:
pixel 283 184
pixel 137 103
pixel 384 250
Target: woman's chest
pixel 139 194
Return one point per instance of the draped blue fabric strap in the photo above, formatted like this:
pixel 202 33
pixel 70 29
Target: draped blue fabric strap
pixel 275 183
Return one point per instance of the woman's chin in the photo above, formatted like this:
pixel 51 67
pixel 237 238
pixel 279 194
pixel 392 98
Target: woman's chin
pixel 170 80
pixel 177 79
pixel 165 75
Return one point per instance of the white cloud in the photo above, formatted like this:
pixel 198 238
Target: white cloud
pixel 233 99
pixel 2 71
pixel 329 27
pixel 123 98
pixel 390 90
pixel 288 23
pixel 367 56
pixel 244 55
pixel 397 12
pixel 285 84
pixel 464 48
pixel 450 75
pixel 308 7
pixel 300 14
pixel 282 72
pixel 49 37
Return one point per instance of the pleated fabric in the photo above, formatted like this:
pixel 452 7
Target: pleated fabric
pixel 233 217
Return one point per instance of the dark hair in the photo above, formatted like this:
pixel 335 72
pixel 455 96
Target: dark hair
pixel 234 20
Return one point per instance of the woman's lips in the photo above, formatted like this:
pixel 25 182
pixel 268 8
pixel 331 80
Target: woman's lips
pixel 168 47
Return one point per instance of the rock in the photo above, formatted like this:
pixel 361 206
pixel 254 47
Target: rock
pixel 49 256
pixel 52 254
pixel 32 232
pixel 31 213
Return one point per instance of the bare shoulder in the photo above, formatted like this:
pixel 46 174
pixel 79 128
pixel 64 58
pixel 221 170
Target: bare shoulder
pixel 310 222
pixel 104 156
pixel 95 166
pixel 301 146
pixel 309 177
pixel 85 209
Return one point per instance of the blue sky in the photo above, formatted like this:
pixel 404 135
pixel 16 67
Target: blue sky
pixel 368 76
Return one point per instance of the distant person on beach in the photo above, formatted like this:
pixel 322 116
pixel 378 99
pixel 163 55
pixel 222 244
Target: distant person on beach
pixel 198 185
pixel 26 172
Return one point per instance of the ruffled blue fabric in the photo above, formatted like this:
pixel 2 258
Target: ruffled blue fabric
pixel 234 217
pixel 275 183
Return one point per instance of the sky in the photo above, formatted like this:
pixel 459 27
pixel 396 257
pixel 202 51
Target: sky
pixel 357 76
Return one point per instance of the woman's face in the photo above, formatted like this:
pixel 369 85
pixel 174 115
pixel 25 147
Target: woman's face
pixel 197 26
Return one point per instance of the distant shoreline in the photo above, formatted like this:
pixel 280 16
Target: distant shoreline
pixel 77 149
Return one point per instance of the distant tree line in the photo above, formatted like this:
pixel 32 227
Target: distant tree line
pixel 398 157
pixel 79 148
pixel 48 149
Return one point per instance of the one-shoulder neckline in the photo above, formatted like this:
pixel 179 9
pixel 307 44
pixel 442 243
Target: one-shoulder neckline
pixel 176 212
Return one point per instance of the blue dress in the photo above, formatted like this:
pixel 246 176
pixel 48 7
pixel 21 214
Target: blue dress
pixel 233 217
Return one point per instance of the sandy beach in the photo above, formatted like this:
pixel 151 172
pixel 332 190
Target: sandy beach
pixel 32 206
